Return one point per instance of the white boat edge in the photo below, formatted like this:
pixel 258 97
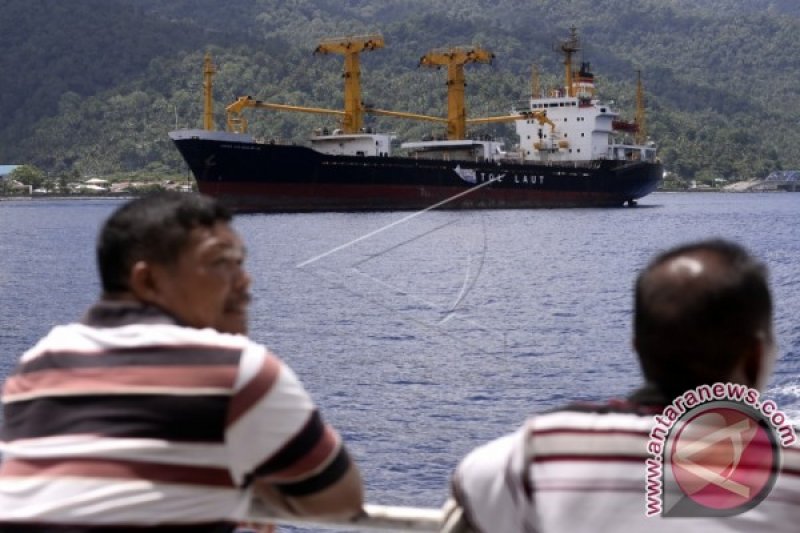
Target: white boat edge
pixel 375 518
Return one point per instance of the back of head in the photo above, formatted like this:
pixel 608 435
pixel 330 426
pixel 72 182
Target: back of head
pixel 697 307
pixel 154 228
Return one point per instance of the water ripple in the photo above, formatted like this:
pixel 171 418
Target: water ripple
pixel 412 352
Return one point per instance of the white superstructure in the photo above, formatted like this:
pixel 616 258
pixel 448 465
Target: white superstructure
pixel 359 144
pixel 577 128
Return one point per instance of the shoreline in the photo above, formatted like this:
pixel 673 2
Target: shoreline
pixel 105 196
pixel 69 197
pixel 126 195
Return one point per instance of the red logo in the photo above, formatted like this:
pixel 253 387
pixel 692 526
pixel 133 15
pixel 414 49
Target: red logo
pixel 724 459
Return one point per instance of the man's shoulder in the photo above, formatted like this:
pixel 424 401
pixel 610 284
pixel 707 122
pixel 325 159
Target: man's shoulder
pixel 587 421
pixel 145 333
pixel 611 406
pixel 617 410
pixel 81 339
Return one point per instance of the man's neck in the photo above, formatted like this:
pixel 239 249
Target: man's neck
pixel 119 309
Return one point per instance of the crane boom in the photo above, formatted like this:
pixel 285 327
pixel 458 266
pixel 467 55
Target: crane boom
pixel 455 58
pixel 351 47
pixel 238 123
pixel 540 116
pixel 402 114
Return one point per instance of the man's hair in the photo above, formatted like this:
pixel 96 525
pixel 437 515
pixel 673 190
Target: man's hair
pixel 154 228
pixel 691 329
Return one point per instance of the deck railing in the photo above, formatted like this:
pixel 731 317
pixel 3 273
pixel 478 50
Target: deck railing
pixel 375 518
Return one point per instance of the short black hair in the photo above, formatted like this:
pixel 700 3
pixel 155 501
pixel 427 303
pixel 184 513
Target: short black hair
pixel 155 228
pixel 690 332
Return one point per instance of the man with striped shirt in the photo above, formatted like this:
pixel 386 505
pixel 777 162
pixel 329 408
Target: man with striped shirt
pixel 703 315
pixel 156 412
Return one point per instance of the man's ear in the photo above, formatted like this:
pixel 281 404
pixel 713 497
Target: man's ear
pixel 752 365
pixel 144 283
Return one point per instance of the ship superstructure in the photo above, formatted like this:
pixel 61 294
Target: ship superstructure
pixel 581 126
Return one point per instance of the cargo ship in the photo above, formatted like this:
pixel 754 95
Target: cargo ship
pixel 573 150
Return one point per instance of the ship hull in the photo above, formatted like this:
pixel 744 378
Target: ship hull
pixel 256 177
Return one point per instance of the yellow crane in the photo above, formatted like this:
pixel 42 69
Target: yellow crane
pixel 641 125
pixel 350 48
pixel 454 59
pixel 353 114
pixel 354 110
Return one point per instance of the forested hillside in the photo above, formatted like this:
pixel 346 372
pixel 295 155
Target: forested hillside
pixel 93 86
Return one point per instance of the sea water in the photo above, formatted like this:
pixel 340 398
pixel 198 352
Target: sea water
pixel 422 335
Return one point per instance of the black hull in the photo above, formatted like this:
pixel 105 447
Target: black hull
pixel 255 177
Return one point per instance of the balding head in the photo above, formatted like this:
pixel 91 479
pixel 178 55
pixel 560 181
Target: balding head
pixel 703 313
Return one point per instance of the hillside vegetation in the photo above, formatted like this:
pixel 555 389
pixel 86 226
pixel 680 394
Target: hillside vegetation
pixel 91 87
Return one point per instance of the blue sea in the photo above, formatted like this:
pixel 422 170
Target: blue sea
pixel 421 335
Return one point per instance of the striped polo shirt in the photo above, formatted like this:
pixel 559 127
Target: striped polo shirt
pixel 130 420
pixel 584 468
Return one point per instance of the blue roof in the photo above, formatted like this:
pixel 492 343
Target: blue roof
pixel 7 169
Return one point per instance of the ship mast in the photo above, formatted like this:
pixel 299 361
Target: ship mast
pixel 536 87
pixel 569 47
pixel 351 47
pixel 454 59
pixel 208 101
pixel 641 126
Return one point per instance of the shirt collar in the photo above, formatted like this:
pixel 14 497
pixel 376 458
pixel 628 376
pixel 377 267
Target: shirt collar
pixel 648 395
pixel 116 313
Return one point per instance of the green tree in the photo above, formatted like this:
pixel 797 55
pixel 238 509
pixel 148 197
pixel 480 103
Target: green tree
pixel 720 75
pixel 28 175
